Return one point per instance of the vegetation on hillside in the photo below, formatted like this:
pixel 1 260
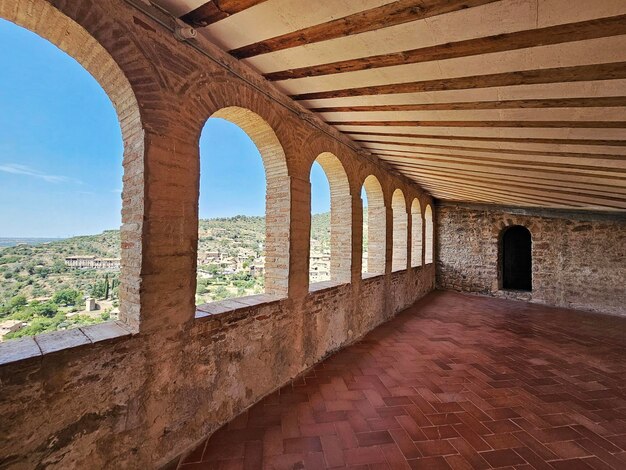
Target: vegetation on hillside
pixel 320 229
pixel 38 289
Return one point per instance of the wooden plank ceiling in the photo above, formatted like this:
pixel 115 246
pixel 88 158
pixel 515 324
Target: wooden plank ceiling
pixel 519 102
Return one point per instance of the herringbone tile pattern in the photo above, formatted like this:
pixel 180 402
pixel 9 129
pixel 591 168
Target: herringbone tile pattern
pixel 454 382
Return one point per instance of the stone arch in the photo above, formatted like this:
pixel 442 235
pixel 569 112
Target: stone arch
pixel 340 217
pixel 43 19
pixel 429 236
pixel 277 199
pixel 400 231
pixel 376 226
pixel 416 233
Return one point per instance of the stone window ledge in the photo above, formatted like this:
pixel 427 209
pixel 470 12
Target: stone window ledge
pixel 324 285
pixel 399 270
pixel 37 346
pixel 368 276
pixel 222 307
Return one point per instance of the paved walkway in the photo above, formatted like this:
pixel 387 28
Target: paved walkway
pixel 454 382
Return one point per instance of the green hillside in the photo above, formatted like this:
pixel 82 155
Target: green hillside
pixel 36 287
pixel 37 271
pixel 320 229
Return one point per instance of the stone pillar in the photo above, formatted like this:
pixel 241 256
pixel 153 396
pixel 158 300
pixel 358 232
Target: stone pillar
pixel 357 237
pixel 388 215
pixel 300 237
pixel 168 280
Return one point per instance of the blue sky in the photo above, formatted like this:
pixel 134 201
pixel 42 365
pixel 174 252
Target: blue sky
pixel 61 150
pixel 232 179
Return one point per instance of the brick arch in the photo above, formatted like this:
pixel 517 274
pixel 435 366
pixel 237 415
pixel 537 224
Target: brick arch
pixel 340 217
pixel 400 231
pixel 43 19
pixel 376 225
pixel 416 233
pixel 277 199
pixel 428 235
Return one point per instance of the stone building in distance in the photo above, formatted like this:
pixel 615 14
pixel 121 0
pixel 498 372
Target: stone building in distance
pixel 92 262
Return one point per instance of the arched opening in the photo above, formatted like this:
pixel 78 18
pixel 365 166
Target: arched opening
pixel 400 232
pixel 416 233
pixel 66 105
pixel 429 238
pixel 243 239
pixel 331 229
pixel 516 258
pixel 374 225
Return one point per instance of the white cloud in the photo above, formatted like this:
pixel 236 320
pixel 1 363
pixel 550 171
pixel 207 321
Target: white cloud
pixel 18 169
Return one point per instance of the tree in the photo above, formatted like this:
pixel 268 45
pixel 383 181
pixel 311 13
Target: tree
pixel 98 290
pixel 221 293
pixel 106 286
pixel 17 303
pixel 115 291
pixel 67 297
pixel 58 266
pixel 44 309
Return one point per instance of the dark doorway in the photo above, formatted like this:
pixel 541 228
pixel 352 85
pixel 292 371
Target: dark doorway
pixel 516 259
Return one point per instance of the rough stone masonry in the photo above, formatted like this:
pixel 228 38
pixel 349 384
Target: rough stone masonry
pixel 578 259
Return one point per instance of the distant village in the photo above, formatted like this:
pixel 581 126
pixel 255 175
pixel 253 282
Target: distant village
pixel 249 261
pixel 233 259
pixel 34 272
pixel 91 262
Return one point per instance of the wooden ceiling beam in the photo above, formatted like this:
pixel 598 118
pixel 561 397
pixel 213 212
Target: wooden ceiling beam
pixel 508 161
pixel 577 73
pixel 558 34
pixel 524 177
pixel 507 182
pixel 540 194
pixel 560 170
pixel 602 156
pixel 216 10
pixel 391 14
pixel 546 205
pixel 453 196
pixel 597 102
pixel 530 174
pixel 462 194
pixel 516 180
pixel 502 193
pixel 461 188
pixel 516 140
pixel 524 124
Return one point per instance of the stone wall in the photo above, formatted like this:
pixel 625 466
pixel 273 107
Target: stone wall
pixel 579 259
pixel 138 393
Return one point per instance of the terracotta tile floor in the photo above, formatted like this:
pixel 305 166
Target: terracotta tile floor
pixel 454 382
